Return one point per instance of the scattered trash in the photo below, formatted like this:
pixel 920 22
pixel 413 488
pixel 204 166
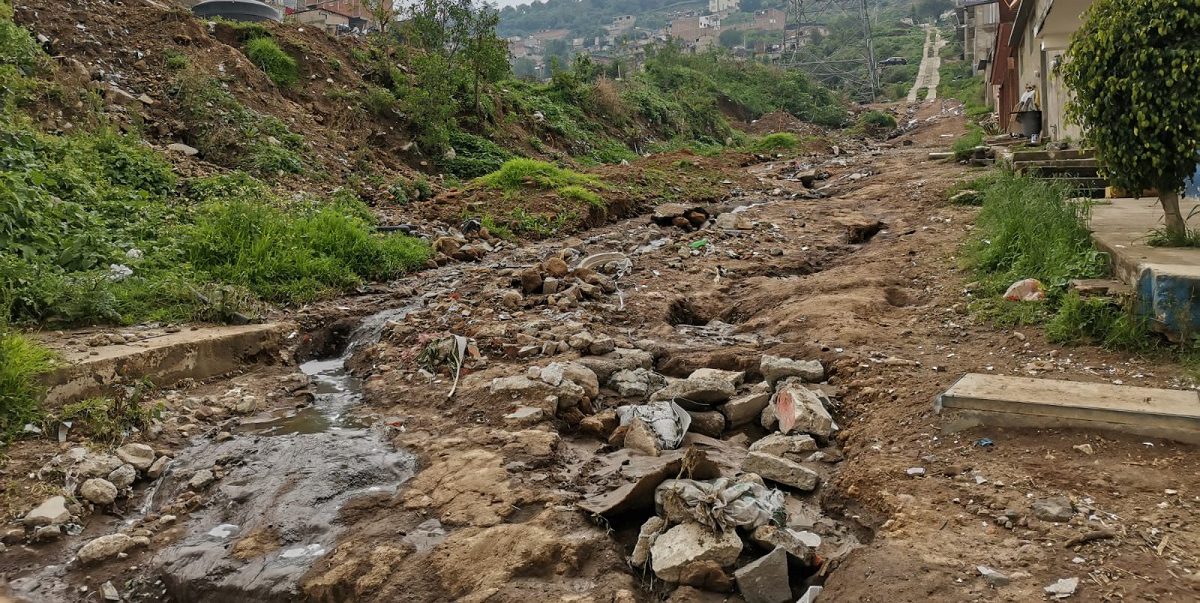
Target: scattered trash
pixel 1063 588
pixel 667 420
pixel 450 351
pixel 915 471
pixel 720 504
pixel 119 272
pixel 698 244
pixel 1029 289
pixel 1084 448
pixel 984 442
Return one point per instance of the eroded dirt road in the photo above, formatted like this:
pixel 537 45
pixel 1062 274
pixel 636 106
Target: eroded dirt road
pixel 863 278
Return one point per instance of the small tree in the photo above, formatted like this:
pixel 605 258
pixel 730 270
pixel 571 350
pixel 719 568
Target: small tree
pixel 382 13
pixel 1134 67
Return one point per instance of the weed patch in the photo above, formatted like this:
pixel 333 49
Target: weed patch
pixel 22 363
pixel 517 173
pixel 964 147
pixel 111 420
pixel 771 143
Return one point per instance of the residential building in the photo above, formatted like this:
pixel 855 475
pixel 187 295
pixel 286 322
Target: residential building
pixel 330 20
pixel 1038 34
pixel 710 22
pixel 722 6
pixel 978 23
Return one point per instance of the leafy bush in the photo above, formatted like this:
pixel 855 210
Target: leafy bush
pixel 518 173
pixel 779 141
pixel 474 155
pixel 22 363
pixel 176 61
pixel 278 65
pixel 380 102
pixel 877 122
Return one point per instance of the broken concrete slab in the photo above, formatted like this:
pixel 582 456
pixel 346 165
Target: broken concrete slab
pixel 780 444
pixel 799 409
pixel 696 394
pixel 765 580
pixel 687 543
pixel 781 470
pixel 641 476
pixel 734 378
pixel 997 400
pixel 745 409
pixel 778 368
pixel 167 359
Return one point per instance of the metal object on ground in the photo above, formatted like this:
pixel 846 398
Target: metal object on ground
pixel 236 10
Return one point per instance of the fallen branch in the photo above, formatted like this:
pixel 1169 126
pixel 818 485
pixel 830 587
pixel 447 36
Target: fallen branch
pixel 1090 537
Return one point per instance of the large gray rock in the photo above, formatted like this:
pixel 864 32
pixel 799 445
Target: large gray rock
pixel 780 444
pixel 1057 509
pixel 777 368
pixel 781 470
pixel 734 378
pixel 617 360
pixel 798 410
pixel 97 465
pixel 745 409
pixel 52 511
pixel 636 383
pixel 700 391
pixel 140 456
pixel 123 477
pixel 582 376
pixel 104 548
pixel 99 491
pixel 686 543
pixel 160 465
pixel 765 580
pixel 201 479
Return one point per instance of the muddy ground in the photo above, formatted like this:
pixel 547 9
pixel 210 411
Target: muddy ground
pixel 389 489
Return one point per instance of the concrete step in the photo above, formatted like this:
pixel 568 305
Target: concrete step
pixel 1056 163
pixel 1003 401
pixel 198 353
pixel 1048 154
pixel 1101 287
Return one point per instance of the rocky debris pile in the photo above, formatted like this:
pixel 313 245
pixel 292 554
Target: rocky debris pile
pixel 678 215
pixel 92 480
pixel 555 283
pixel 726 513
pixel 470 244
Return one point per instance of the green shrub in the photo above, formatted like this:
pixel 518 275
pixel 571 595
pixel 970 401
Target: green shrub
pixel 22 364
pixel 176 61
pixel 380 102
pixel 278 65
pixel 111 420
pixel 518 173
pixel 779 141
pixel 877 122
pixel 474 155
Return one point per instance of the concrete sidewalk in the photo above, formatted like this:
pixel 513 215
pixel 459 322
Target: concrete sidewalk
pixel 1165 279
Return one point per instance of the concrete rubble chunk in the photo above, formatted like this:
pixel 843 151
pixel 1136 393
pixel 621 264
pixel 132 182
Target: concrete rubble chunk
pixel 781 470
pixel 583 377
pixel 734 378
pixel 777 368
pixel 798 409
pixel 1057 509
pixel 52 511
pixel 104 548
pixel 745 409
pixel 525 415
pixel 710 423
pixel 513 385
pixel 765 580
pixel 140 456
pixel 686 543
pixel 636 383
pixel 97 465
pixel 110 592
pixel 992 576
pixel 706 575
pixel 792 542
pixel 780 444
pixel 699 391
pixel 98 491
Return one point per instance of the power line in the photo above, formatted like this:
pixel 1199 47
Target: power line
pixel 853 66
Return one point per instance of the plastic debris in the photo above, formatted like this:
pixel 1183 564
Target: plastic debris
pixel 1029 289
pixel 119 272
pixel 667 420
pixel 1063 588
pixel 721 504
pixel 984 442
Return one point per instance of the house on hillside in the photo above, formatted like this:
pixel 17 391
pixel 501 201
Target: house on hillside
pixel 722 6
pixel 332 21
pixel 1031 40
pixel 978 22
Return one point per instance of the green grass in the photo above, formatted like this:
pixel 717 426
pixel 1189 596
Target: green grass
pixel 957 82
pixel 111 420
pixel 779 141
pixel 582 195
pixel 176 61
pixel 278 65
pixel 515 174
pixel 965 145
pixel 22 364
